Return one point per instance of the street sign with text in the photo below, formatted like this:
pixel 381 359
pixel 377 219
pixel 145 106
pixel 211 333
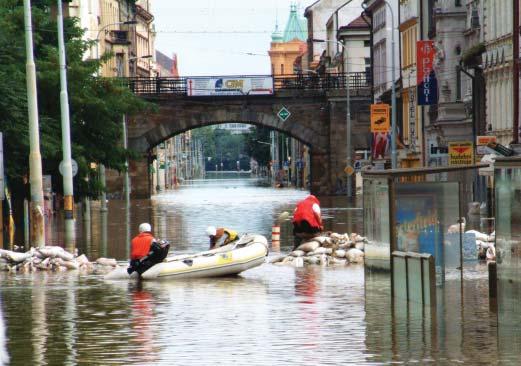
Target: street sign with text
pixel 461 153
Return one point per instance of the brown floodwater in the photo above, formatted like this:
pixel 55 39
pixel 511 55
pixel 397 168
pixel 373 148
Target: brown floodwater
pixel 269 315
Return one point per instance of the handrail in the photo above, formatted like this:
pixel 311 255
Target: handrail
pixel 178 85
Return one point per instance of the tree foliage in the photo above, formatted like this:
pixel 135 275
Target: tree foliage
pixel 96 104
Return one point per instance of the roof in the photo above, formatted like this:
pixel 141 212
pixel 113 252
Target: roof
pixel 357 23
pixel 164 61
pixel 295 28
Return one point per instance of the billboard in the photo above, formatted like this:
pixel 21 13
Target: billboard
pixel 425 75
pixel 222 86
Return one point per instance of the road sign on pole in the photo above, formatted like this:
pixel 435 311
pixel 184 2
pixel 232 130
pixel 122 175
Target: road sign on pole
pixel 283 114
pixel 380 118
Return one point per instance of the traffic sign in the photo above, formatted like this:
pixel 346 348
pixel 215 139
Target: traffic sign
pixel 74 167
pixel 349 170
pixel 380 118
pixel 284 114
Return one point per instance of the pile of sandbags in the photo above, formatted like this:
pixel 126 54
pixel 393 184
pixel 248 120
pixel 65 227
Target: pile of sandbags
pixel 51 258
pixel 331 249
pixel 485 244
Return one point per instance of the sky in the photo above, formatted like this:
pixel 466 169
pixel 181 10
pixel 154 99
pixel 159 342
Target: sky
pixel 221 37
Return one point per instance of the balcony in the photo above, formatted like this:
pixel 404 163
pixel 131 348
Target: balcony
pixel 119 37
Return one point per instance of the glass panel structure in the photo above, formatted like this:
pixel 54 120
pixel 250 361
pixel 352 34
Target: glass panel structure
pixel 508 257
pixel 377 224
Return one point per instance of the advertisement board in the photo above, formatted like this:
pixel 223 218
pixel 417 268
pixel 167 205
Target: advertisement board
pixel 425 75
pixel 461 153
pixel 380 118
pixel 482 142
pixel 223 86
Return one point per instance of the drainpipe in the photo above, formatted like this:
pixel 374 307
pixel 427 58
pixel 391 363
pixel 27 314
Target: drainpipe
pixel 515 46
pixel 368 14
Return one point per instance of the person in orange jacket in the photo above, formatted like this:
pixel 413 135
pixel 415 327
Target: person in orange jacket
pixel 307 219
pixel 145 250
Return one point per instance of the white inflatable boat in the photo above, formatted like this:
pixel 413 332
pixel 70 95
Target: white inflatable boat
pixel 247 252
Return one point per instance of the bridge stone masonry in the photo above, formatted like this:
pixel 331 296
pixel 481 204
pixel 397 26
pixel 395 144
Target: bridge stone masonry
pixel 318 119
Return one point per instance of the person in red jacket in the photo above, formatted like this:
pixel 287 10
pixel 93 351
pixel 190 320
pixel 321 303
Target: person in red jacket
pixel 307 220
pixel 145 250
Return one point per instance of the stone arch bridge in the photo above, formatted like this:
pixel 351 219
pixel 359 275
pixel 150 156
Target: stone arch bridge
pixel 318 119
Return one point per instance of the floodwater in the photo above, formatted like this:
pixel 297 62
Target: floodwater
pixel 270 315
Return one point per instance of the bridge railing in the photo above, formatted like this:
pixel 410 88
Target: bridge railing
pixel 177 85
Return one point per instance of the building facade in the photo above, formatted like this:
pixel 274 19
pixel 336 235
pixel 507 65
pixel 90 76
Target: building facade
pixel 356 37
pixel 286 49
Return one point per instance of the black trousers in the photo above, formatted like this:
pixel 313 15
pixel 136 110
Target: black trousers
pixel 157 254
pixel 302 230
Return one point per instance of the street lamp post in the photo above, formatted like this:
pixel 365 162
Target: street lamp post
pixel 349 157
pixel 35 158
pixel 68 194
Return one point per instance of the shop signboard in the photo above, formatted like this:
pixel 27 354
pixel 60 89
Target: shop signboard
pixel 461 153
pixel 229 86
pixel 425 75
pixel 482 142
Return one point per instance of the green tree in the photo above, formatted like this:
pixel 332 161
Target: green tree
pixel 96 104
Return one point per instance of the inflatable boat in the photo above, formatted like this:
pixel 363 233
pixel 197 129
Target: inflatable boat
pixel 247 252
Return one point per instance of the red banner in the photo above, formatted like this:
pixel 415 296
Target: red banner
pixel 425 76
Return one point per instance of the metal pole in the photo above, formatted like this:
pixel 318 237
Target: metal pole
pixel 126 176
pixel 394 157
pixel 68 195
pixel 103 181
pixel 348 125
pixel 35 158
pixel 515 66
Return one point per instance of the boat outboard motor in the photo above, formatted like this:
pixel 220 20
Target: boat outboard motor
pixel 158 252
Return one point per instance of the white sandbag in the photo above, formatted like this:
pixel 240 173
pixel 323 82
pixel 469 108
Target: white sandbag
pixel 308 246
pixel 107 262
pixel 355 255
pixel 66 256
pixel 276 259
pixel 337 261
pixel 71 265
pixel 82 259
pixel 360 245
pixel 479 235
pixel 119 273
pixel 298 262
pixel 297 253
pixel 323 250
pixel 339 253
pixel 50 251
pixel 491 253
pixel 16 257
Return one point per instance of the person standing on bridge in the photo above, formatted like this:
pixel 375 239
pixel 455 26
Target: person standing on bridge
pixel 220 236
pixel 307 219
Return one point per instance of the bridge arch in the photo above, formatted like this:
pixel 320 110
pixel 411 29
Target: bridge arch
pixel 317 120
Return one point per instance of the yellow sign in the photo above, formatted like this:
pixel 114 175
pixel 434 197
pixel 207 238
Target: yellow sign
pixel 485 140
pixel 380 118
pixel 349 170
pixel 224 258
pixel 461 153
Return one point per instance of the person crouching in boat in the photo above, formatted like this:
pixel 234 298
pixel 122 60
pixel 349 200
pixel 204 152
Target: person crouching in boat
pixel 307 220
pixel 220 236
pixel 146 250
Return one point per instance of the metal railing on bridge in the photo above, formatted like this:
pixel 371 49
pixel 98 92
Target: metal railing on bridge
pixel 178 85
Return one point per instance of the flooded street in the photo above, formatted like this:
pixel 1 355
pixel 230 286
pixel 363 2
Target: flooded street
pixel 270 315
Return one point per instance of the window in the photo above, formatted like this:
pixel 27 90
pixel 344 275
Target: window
pixel 367 44
pixel 409 38
pixel 282 69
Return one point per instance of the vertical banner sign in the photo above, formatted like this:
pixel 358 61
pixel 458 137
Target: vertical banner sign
pixel 426 78
pixel 380 118
pixel 2 190
pixel 412 119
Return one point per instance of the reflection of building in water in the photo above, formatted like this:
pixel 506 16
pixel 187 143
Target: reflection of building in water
pixel 142 317
pixel 4 357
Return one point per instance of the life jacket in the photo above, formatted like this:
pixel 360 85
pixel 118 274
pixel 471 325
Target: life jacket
pixel 232 235
pixel 304 212
pixel 140 245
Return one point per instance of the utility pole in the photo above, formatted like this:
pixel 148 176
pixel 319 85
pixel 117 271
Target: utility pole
pixel 68 196
pixel 515 66
pixel 35 159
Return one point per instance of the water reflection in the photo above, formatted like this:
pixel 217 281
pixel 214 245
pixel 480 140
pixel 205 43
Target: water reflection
pixel 270 315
